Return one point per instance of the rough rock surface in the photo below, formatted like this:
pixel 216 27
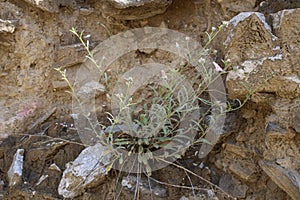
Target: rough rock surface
pixel 262 42
pixel 233 7
pixel 87 170
pixel 287 179
pixel 7 26
pixel 15 171
pixel 232 186
pixel 146 187
pixel 257 55
pixel 46 5
pixel 134 9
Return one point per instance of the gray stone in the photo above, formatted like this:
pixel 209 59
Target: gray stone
pixel 89 169
pixel 91 88
pixel 273 130
pixel 244 170
pixel 237 5
pixel 134 9
pixel 296 118
pixel 7 26
pixel 233 148
pixel 233 186
pixel 16 169
pixel 286 179
pixel 46 5
pixel 129 183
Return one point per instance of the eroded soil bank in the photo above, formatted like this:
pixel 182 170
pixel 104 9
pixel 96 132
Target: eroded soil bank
pixel 257 156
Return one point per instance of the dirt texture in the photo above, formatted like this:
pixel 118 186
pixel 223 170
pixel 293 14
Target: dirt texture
pixel 257 156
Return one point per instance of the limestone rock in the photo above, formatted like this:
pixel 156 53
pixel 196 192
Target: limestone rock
pixel 231 7
pixel 286 179
pixel 238 150
pixel 257 58
pixel 273 6
pixel 7 26
pixel 286 27
pixel 273 130
pixel 46 5
pixel 285 113
pixel 249 46
pixel 16 169
pixel 250 40
pixel 63 59
pixel 233 186
pixel 87 170
pixel 244 170
pixel 91 88
pixel 134 9
pixel 296 121
pixel 52 6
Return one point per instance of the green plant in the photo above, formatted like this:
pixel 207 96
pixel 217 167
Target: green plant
pixel 158 125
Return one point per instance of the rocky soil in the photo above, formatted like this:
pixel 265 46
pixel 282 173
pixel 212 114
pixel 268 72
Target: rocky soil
pixel 256 157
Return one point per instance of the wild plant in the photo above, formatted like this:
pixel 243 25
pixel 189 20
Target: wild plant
pixel 161 128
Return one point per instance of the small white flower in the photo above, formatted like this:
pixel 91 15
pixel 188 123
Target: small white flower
pixel 217 67
pixel 201 166
pixel 163 74
pixel 225 23
pixel 120 96
pixel 213 29
pixel 177 45
pixel 201 60
pixel 187 38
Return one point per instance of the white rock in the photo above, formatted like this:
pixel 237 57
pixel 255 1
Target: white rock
pixel 7 26
pixel 241 17
pixel 277 18
pixel 42 178
pixel 293 78
pixel 46 5
pixel 87 170
pixel 54 167
pixel 246 68
pixel 16 169
pixel 244 15
pixel 276 57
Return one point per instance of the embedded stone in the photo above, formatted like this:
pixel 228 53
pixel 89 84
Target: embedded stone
pixel 7 26
pixel 147 187
pixel 244 170
pixel 232 148
pixel 134 9
pixel 89 169
pixel 287 179
pixel 46 5
pixel 233 186
pixel 273 130
pixel 16 169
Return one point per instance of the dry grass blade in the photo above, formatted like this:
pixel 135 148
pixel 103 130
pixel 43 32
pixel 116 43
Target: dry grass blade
pixel 189 171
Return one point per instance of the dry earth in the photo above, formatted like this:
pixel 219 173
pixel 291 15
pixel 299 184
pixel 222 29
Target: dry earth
pixel 256 158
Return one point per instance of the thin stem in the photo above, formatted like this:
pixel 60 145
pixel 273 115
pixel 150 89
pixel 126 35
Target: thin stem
pixel 203 179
